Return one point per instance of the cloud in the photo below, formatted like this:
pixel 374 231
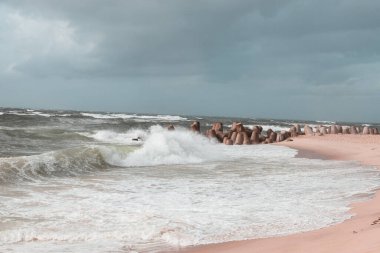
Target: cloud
pixel 40 47
pixel 269 54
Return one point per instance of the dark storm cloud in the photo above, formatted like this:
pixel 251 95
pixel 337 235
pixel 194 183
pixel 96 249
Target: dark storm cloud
pixel 302 57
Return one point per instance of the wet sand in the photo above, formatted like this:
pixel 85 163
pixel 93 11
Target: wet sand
pixel 360 234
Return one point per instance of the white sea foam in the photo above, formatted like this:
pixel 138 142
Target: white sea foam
pixel 97 115
pixel 170 147
pixel 326 122
pixel 254 193
pixel 30 112
pixel 18 113
pixel 174 189
pixel 177 189
pixel 163 147
pixel 134 116
pixel 275 128
pixel 42 114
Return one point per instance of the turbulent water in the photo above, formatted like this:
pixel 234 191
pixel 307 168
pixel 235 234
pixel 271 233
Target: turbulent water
pixel 78 182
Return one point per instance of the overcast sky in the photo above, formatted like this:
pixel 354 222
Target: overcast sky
pixel 294 59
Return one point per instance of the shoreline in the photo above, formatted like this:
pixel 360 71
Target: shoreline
pixel 359 234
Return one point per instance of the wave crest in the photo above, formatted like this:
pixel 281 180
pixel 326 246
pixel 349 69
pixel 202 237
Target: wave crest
pixel 69 162
pixel 163 147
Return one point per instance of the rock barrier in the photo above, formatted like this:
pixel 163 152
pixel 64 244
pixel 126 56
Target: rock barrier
pixel 239 134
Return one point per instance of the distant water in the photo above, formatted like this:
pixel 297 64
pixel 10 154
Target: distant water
pixel 78 182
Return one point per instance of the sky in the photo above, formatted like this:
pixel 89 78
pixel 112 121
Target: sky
pixel 284 59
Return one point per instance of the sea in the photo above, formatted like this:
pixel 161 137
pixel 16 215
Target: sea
pixel 76 181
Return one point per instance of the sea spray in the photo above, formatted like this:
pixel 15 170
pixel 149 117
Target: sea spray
pixel 157 146
pixel 171 147
pixel 163 147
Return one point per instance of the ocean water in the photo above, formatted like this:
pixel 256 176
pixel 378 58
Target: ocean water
pixel 77 182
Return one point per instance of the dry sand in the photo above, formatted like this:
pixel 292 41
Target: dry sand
pixel 360 234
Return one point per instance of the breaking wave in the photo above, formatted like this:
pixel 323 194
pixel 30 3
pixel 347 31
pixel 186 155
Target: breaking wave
pixel 68 162
pixel 157 146
pixel 170 147
pixel 162 147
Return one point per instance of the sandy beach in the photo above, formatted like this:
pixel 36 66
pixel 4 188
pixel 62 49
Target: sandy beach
pixel 360 234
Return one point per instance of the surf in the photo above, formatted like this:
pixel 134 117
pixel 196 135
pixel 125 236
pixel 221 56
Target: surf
pixel 61 163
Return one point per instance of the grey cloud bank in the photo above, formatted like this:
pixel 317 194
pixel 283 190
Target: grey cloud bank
pixel 281 59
